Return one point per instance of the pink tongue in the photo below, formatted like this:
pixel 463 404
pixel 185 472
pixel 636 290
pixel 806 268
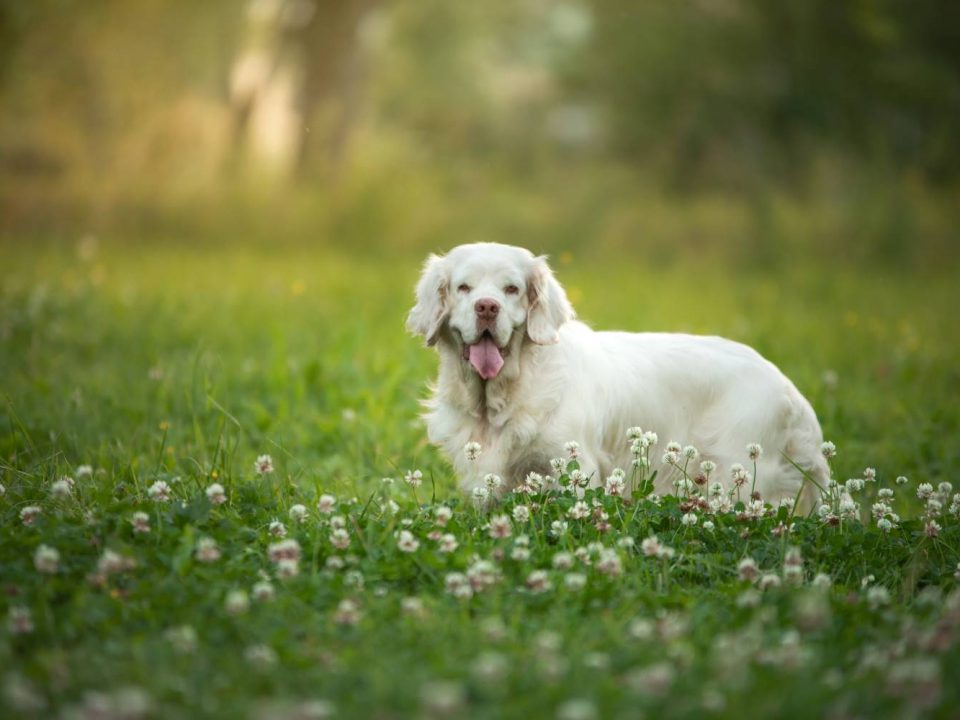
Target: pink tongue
pixel 486 358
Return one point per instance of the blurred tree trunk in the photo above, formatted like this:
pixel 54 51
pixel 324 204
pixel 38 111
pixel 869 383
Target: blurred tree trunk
pixel 331 80
pixel 300 71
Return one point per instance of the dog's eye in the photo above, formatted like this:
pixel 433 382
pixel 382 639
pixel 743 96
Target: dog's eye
pixel 464 288
pixel 511 289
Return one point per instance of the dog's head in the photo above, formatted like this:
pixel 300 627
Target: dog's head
pixel 484 299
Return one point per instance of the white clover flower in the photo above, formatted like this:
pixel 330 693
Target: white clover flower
pixel 46 559
pixel 480 494
pixel 3 490
pixel 574 581
pixel 338 522
pixel 625 542
pixel 652 547
pixel 263 465
pixel 335 562
pixel 562 561
pixel 739 474
pixel 572 448
pixel 29 514
pixel 578 478
pixel 538 581
pixel 442 514
pixel 482 575
pixel 183 638
pixel 84 471
pixel 707 467
pixel 237 602
pixel 447 543
pixel 263 591
pixel 260 655
pixel 287 569
pixel 492 482
pixel 558 465
pixel 708 525
pixel 754 451
pixel 944 489
pixel 924 491
pixel 413 478
pixel 689 519
pixel 277 529
pixel 670 458
pixel 340 538
pixel 853 485
pixel 62 488
pixel 19 620
pixel 869 474
pixel 500 527
pixel 579 511
pixel 533 483
pixel 615 485
pixel 297 513
pixel 690 453
pixel 650 438
pixel 769 581
pixel 715 489
pixel 884 524
pixel 902 480
pixel 288 549
pixel 472 450
pixel 885 494
pixel 412 606
pixel 140 522
pixel 406 542
pixel 558 528
pixel 216 495
pixel 674 447
pixel 458 585
pixel 521 513
pixel 747 569
pixel 932 528
pixel 822 581
pixel 159 491
pixel 609 563
pixel 520 553
pixel 111 562
pixel 326 504
pixel 828 449
pixel 207 550
pixel 877 596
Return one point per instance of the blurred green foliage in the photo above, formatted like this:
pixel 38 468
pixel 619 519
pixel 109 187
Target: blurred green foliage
pixel 750 131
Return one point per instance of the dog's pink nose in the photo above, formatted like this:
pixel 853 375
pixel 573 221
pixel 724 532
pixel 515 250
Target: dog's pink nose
pixel 486 308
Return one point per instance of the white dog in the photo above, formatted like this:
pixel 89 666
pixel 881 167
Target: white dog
pixel 519 376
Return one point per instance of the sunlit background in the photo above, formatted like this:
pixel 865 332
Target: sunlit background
pixel 740 129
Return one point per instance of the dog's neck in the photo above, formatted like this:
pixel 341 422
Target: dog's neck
pixel 488 401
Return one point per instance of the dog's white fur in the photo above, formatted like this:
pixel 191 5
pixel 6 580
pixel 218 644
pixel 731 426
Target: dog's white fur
pixel 563 381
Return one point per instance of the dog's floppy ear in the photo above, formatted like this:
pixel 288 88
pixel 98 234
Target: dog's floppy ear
pixel 431 310
pixel 549 307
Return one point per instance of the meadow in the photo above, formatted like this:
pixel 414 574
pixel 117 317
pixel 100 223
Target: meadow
pixel 156 564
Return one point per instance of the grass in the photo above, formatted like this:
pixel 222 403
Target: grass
pixel 153 362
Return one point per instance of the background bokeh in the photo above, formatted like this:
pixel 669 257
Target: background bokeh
pixel 756 132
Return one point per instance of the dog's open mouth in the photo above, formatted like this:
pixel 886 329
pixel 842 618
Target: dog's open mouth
pixel 485 356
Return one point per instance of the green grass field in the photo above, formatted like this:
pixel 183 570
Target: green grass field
pixel 183 364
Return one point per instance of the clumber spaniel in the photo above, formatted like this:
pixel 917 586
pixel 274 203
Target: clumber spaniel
pixel 521 377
